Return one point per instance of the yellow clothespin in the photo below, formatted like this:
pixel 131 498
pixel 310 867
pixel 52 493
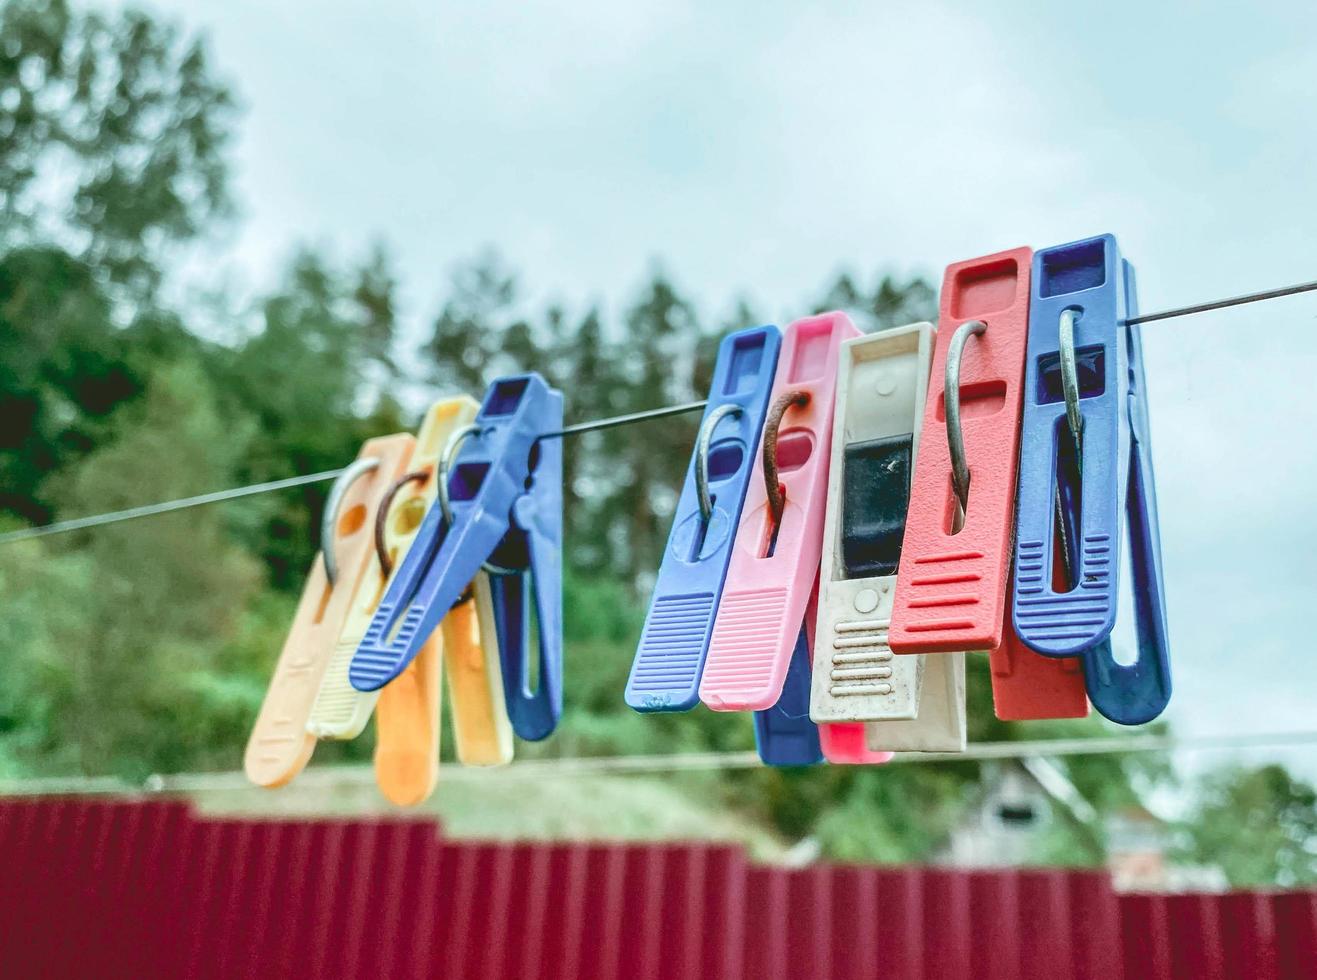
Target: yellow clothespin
pixel 475 681
pixel 280 745
pixel 408 709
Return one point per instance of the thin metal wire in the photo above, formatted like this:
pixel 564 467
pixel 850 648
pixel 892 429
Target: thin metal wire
pixel 1070 375
pixel 150 510
pixel 324 476
pixel 363 775
pixel 382 517
pixel 1221 304
pixel 1075 420
pixel 772 484
pixel 652 413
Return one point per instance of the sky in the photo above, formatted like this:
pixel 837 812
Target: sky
pixel 756 149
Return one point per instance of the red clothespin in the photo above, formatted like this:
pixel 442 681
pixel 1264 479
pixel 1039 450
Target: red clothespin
pixel 1027 686
pixel 951 583
pixel 954 574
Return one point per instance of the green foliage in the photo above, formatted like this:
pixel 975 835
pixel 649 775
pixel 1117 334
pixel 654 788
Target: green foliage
pixel 39 593
pixel 310 375
pixel 131 120
pixel 61 371
pixel 1258 825
pixel 122 619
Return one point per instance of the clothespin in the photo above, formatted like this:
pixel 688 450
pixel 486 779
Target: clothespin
pixel 1027 686
pixel 280 745
pixel 952 580
pixel 1086 462
pixel 407 718
pixel 784 733
pixel 779 539
pixel 847 743
pixel 665 675
pixel 882 381
pixel 470 649
pixel 505 495
pixel 340 710
pixel 482 730
pixel 407 721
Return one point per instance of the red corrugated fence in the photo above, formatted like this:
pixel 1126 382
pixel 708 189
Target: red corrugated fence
pixel 133 889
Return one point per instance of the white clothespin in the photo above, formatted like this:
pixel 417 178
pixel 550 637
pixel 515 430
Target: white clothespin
pixel 909 703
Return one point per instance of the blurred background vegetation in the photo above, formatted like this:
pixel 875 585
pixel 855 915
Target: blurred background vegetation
pixel 145 647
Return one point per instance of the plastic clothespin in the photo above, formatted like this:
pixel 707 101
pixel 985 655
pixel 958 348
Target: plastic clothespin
pixel 784 733
pixel 665 675
pixel 340 710
pixel 407 721
pixel 482 730
pixel 775 562
pixel 1027 686
pixel 407 718
pixel 952 582
pixel 1086 462
pixel 280 745
pixel 506 501
pixel 847 743
pixel 882 381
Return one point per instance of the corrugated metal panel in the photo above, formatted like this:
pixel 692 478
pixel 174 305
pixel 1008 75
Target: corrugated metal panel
pixel 131 889
pixel 1095 927
pixel 1296 930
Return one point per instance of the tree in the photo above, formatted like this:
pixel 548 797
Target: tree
pixel 131 118
pixel 158 596
pixel 112 139
pixel 1258 825
pixel 314 372
pixel 891 303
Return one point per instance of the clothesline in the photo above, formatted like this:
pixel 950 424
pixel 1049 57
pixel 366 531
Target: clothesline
pixel 234 493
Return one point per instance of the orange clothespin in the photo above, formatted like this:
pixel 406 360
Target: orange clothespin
pixel 408 711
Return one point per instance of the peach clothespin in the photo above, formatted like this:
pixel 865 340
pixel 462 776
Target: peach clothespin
pixel 280 745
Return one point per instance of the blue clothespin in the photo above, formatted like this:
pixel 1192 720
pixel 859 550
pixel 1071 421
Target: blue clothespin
pixel 665 675
pixel 784 735
pixel 505 493
pixel 1137 693
pixel 1085 464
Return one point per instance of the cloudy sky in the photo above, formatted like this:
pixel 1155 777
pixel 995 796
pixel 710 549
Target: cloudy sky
pixel 754 149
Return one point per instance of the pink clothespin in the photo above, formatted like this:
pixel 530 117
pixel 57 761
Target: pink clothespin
pixel 779 540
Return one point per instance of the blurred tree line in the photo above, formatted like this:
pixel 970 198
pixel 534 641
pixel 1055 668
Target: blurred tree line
pixel 146 646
